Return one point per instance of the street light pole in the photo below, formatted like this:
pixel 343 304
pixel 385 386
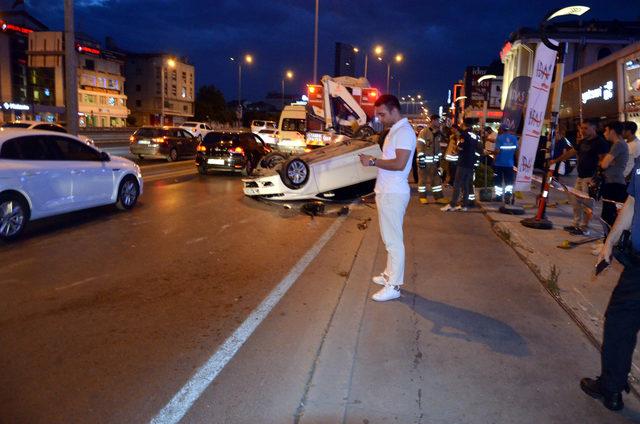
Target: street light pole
pixel 315 46
pixel 162 75
pixel 71 69
pixel 366 63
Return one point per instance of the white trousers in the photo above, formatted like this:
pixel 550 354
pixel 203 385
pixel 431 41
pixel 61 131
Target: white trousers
pixel 391 209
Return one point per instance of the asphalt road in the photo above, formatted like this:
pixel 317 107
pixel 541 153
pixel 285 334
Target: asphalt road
pixel 105 316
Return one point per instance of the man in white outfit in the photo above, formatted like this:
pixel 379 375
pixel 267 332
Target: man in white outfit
pixel 392 192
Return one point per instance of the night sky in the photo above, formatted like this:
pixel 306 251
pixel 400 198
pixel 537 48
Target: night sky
pixel 438 38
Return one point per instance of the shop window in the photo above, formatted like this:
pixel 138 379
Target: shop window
pixel 90 64
pixel 185 108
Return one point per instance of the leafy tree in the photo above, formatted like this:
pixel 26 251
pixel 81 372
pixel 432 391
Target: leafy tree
pixel 211 106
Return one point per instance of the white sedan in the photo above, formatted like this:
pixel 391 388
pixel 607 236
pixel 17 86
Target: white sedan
pixel 332 172
pixel 38 125
pixel 44 174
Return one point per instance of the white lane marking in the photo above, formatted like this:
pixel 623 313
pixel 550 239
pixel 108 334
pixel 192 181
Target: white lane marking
pixel 191 391
pixel 224 227
pixel 77 283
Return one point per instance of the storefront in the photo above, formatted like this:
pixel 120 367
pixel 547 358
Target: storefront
pixel 607 90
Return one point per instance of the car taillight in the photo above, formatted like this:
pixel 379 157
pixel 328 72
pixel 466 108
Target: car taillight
pixel 159 139
pixel 201 148
pixel 238 150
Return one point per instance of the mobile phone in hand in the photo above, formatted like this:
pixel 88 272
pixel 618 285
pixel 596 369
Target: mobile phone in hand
pixel 601 266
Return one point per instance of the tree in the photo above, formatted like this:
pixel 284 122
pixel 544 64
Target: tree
pixel 211 106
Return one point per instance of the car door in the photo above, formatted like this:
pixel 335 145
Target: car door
pixel 190 143
pixel 45 178
pixel 93 179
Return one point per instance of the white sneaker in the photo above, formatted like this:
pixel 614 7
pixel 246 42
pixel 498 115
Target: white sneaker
pixel 446 208
pixel 380 279
pixel 388 292
pixel 459 209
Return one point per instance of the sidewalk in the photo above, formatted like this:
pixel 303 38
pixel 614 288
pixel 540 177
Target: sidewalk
pixel 473 339
pixel 568 275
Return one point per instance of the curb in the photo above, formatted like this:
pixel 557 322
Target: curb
pixel 547 274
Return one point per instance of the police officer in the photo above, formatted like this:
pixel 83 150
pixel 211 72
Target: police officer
pixel 622 318
pixel 428 159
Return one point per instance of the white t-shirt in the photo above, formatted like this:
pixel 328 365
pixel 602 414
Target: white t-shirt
pixel 634 153
pixel 400 136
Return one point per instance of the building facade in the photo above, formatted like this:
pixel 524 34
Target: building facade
pixel 16 86
pixel 148 75
pixel 587 43
pixel 101 99
pixel 345 61
pixel 609 89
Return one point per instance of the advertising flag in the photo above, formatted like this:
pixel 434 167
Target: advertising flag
pixel 534 115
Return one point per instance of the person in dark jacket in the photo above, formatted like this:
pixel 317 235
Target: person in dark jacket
pixel 467 158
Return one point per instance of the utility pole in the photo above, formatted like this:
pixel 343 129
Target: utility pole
pixel 71 69
pixel 315 47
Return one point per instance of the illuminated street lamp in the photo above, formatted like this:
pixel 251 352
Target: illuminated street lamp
pixel 288 75
pixel 248 59
pixel 377 50
pixel 398 58
pixel 171 63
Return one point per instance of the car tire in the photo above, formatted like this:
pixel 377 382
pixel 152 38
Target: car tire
pixel 14 216
pixel 295 173
pixel 270 160
pixel 128 192
pixel 364 132
pixel 173 155
pixel 247 171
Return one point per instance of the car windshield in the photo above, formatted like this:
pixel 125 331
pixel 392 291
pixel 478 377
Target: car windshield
pixel 258 123
pixel 149 132
pixel 190 124
pixel 271 124
pixel 213 138
pixel 291 124
pixel 15 125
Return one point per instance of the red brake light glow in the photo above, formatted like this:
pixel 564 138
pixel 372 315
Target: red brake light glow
pixel 238 150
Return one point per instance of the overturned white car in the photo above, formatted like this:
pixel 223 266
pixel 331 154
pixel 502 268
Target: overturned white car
pixel 333 172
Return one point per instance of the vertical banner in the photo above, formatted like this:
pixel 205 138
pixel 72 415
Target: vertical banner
pixel 534 115
pixel 516 102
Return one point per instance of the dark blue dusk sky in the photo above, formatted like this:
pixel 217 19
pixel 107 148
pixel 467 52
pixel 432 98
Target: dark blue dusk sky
pixel 438 38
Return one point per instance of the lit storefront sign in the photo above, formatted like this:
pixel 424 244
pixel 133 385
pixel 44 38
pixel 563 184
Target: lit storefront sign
pixel 604 92
pixel 86 49
pixel 10 27
pixel 15 106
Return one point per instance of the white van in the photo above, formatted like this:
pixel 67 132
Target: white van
pixel 292 128
pixel 259 124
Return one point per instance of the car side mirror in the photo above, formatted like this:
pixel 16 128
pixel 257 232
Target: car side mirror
pixel 104 157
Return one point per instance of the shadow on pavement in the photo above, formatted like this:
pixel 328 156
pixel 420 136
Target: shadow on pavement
pixel 467 325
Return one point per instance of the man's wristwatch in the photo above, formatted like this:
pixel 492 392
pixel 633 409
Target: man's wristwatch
pixel 372 162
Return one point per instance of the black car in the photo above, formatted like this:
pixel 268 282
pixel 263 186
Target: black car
pixel 230 151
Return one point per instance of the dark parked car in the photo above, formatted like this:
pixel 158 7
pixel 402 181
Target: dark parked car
pixel 229 151
pixel 168 143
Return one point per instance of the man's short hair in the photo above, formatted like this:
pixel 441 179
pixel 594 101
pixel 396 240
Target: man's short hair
pixel 631 126
pixel 591 122
pixel 388 100
pixel 435 117
pixel 615 126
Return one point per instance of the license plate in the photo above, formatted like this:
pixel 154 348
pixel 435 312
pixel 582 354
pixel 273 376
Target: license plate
pixel 144 142
pixel 215 161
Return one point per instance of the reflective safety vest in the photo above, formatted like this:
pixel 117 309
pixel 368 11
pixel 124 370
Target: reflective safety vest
pixel 451 155
pixel 428 147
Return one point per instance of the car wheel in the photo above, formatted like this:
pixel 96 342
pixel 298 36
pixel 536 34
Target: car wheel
pixel 173 155
pixel 14 215
pixel 247 171
pixel 295 173
pixel 202 170
pixel 270 160
pixel 364 132
pixel 128 193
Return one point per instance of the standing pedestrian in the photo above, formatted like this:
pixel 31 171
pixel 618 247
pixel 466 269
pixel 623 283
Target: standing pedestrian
pixel 622 317
pixel 614 188
pixel 468 150
pixel 451 155
pixel 392 192
pixel 428 158
pixel 504 153
pixel 590 150
pixel 633 143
